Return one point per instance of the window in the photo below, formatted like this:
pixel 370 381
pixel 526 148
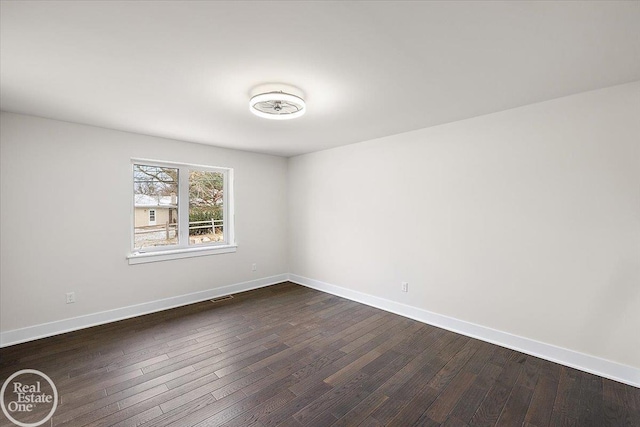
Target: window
pixel 180 210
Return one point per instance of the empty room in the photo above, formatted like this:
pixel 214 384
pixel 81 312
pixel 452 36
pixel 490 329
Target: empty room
pixel 319 213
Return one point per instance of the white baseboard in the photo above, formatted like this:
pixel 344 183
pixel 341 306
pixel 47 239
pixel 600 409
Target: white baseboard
pixel 584 362
pixel 31 333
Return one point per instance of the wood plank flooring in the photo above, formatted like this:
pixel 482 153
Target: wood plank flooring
pixel 291 356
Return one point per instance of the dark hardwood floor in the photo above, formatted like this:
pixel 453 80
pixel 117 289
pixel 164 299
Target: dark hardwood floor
pixel 291 356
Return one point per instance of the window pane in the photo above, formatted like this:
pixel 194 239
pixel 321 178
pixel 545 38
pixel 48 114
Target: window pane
pixel 155 190
pixel 206 222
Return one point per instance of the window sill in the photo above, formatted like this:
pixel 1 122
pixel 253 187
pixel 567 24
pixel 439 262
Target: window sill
pixel 144 257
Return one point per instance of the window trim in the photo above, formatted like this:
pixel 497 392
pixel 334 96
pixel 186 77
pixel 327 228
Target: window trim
pixel 185 250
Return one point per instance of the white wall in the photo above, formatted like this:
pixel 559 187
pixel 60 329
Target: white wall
pixel 526 221
pixel 66 221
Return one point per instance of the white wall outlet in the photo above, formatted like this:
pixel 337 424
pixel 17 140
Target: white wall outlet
pixel 254 266
pixel 71 297
pixel 405 286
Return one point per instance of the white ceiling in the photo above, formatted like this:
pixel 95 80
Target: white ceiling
pixel 186 70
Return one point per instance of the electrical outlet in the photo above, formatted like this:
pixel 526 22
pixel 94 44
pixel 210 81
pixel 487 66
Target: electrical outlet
pixel 405 286
pixel 71 297
pixel 254 266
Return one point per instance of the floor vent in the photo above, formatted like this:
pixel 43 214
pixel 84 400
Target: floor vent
pixel 224 298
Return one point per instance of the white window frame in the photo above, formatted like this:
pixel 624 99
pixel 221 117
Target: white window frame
pixel 183 249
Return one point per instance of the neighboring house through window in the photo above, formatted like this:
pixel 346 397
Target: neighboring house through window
pixel 181 209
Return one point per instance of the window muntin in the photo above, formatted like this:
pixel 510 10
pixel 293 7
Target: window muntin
pixel 199 219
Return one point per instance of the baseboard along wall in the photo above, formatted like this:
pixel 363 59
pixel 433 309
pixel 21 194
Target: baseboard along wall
pixel 574 359
pixel 44 330
pixel 584 362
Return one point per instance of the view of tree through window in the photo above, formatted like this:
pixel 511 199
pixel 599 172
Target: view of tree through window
pixel 156 205
pixel 206 203
pixel 158 219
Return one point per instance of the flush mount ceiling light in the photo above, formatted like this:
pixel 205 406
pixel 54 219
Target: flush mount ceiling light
pixel 277 105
